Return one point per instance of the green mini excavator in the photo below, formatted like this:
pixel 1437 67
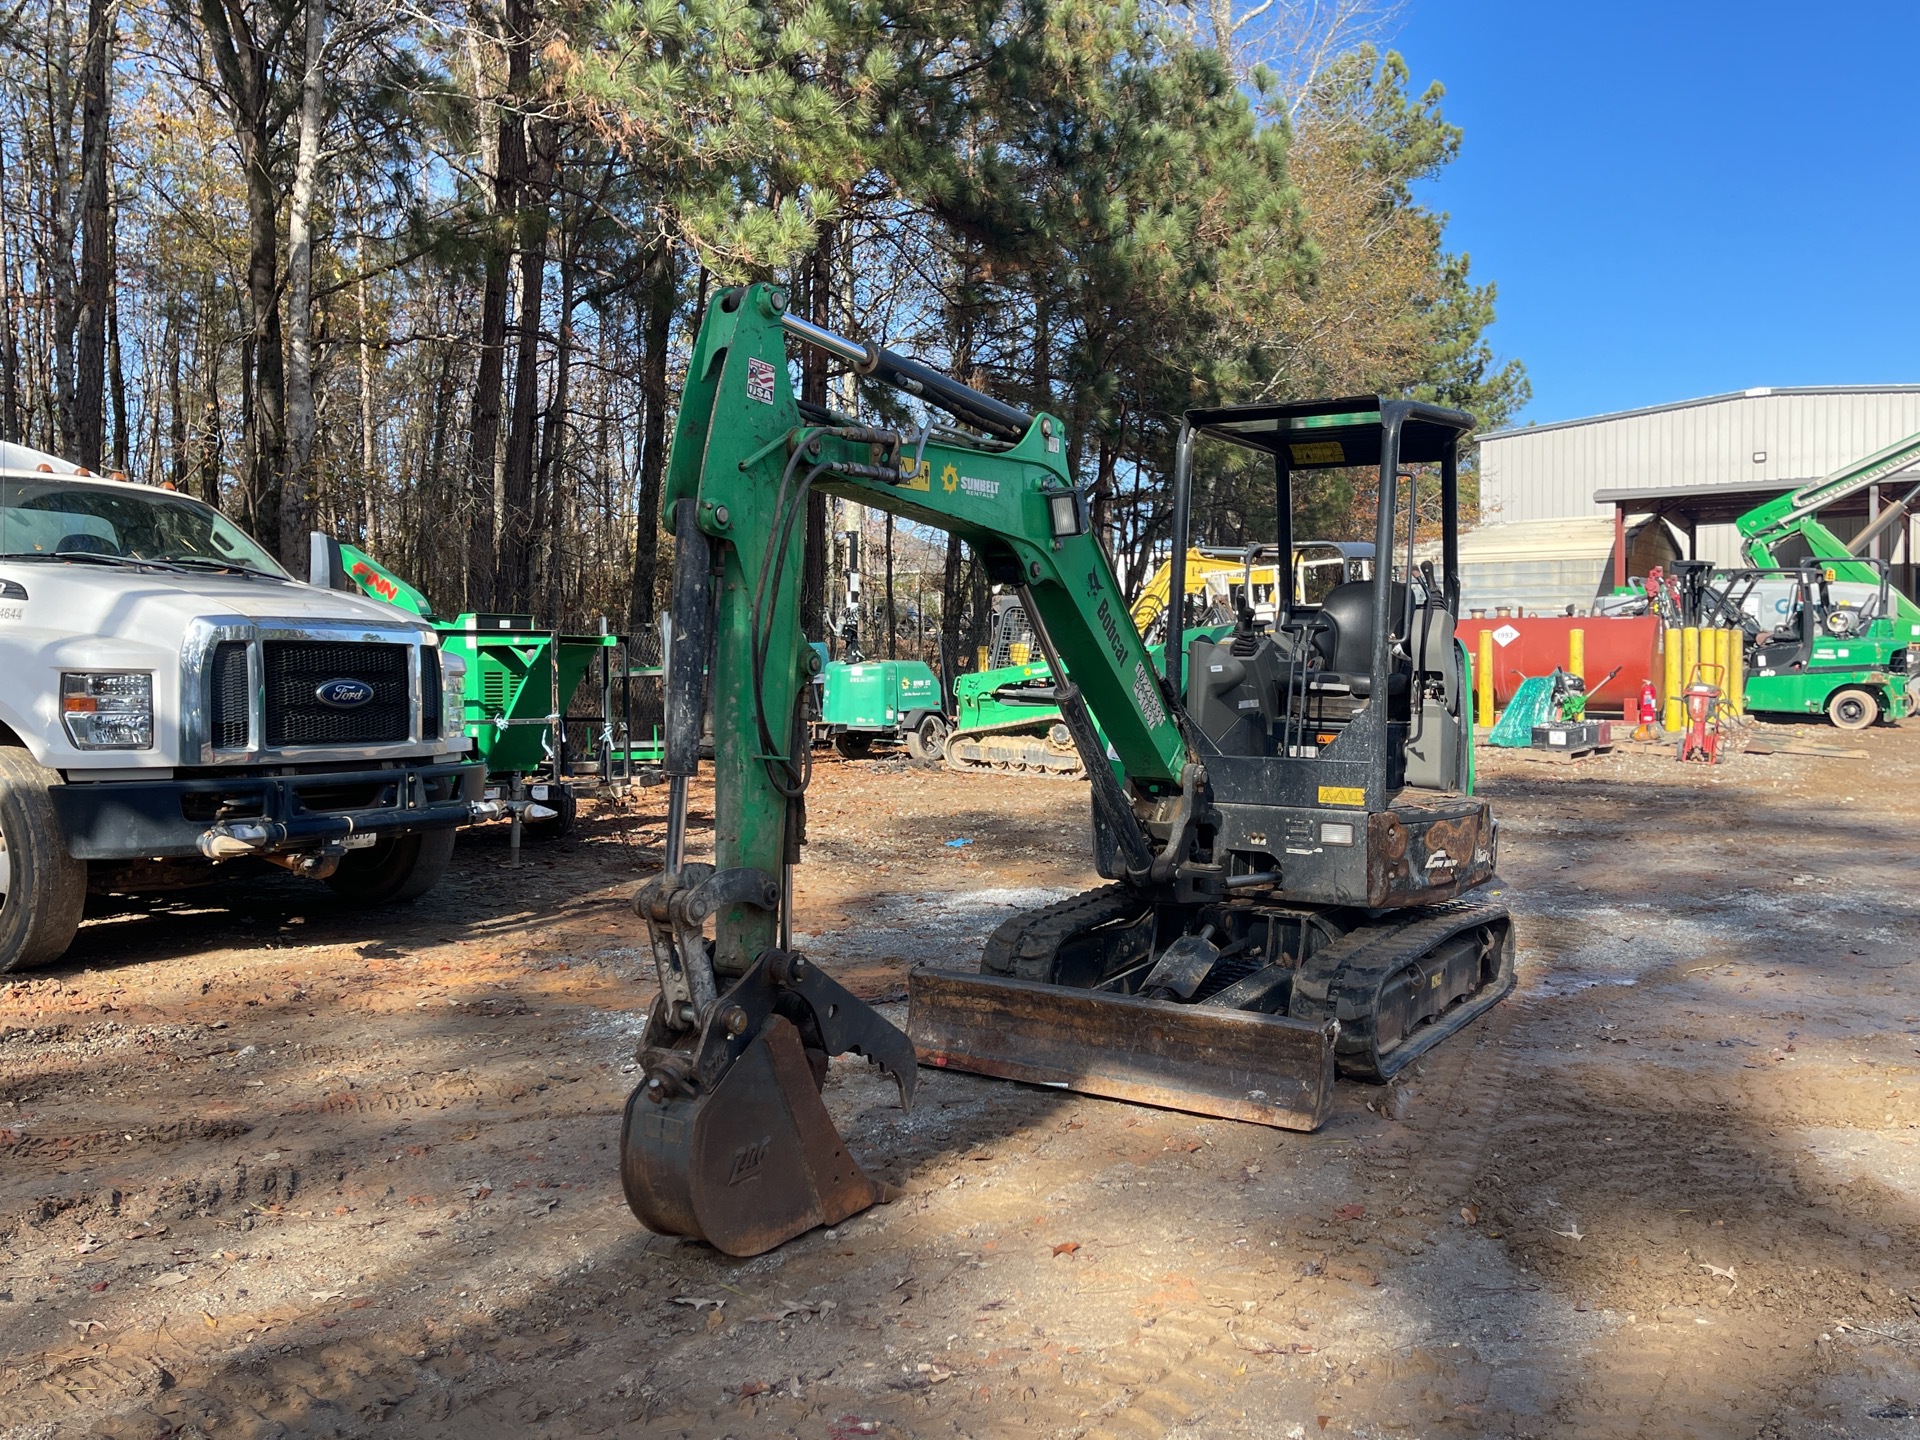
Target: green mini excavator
pixel 1299 870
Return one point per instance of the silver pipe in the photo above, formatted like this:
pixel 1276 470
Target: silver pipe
pixel 676 823
pixel 863 357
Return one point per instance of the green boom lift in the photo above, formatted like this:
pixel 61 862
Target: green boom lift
pixel 1285 814
pixel 1861 671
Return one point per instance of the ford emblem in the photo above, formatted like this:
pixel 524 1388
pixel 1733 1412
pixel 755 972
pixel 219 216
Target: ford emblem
pixel 343 694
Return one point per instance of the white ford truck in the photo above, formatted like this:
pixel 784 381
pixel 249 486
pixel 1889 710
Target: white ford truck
pixel 174 707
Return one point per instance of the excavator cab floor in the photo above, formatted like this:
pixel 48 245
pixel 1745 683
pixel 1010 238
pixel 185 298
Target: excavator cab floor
pixel 1202 1059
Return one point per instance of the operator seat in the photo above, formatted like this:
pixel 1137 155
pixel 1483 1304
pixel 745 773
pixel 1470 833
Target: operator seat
pixel 1343 636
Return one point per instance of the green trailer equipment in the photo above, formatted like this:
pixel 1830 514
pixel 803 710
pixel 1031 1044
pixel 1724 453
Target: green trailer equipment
pixel 885 701
pixel 520 682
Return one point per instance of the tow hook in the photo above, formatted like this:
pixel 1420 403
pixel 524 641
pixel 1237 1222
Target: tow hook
pixel 236 839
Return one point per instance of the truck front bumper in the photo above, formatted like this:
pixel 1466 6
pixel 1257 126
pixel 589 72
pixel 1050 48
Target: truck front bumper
pixel 166 819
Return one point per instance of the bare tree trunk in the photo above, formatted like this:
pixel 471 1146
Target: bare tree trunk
pixel 176 404
pixel 296 505
pixel 10 319
pixel 90 370
pixel 656 322
pixel 548 500
pixel 514 513
pixel 952 603
pixel 893 618
pixel 368 458
pixel 116 359
pixel 63 301
pixel 509 165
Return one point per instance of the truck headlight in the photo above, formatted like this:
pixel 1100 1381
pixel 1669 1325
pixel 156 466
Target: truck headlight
pixel 453 695
pixel 108 709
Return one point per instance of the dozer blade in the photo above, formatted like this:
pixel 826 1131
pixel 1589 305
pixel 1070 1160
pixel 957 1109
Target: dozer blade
pixel 749 1164
pixel 1236 1064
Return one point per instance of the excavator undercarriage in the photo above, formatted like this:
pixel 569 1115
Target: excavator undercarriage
pixel 1303 883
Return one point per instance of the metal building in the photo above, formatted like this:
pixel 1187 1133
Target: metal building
pixel 1699 463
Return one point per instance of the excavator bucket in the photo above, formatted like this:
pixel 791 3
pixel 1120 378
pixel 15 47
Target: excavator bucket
pixel 1203 1059
pixel 749 1164
pixel 725 1138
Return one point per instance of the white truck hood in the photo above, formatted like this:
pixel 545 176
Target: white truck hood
pixel 78 616
pixel 111 600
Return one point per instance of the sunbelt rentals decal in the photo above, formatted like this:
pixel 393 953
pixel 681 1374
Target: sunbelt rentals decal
pixel 951 480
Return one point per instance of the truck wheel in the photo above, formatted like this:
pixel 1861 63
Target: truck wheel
pixel 42 888
pixel 927 741
pixel 1853 709
pixel 396 870
pixel 853 744
pixel 565 804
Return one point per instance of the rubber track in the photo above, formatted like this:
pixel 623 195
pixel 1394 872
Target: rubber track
pixel 1343 982
pixel 1024 946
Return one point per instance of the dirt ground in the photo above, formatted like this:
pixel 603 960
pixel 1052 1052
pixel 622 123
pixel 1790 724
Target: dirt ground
pixel 269 1168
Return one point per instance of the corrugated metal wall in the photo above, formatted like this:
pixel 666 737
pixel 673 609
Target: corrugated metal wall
pixel 1551 471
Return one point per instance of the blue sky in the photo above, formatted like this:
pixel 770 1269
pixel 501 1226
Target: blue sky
pixel 1686 198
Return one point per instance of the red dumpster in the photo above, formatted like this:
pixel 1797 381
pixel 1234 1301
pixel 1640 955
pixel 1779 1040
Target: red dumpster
pixel 1525 645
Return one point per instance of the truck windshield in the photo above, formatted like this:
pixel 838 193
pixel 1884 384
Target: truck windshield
pixel 121 521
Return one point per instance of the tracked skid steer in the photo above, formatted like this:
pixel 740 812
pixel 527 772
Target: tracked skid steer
pixel 1301 879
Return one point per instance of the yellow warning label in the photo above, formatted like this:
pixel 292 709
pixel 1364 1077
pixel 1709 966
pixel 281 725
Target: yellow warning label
pixel 1318 452
pixel 1342 795
pixel 919 474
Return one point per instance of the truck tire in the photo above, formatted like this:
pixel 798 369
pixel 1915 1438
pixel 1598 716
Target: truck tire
pixel 565 805
pixel 1853 708
pixel 927 741
pixel 853 744
pixel 42 888
pixel 395 871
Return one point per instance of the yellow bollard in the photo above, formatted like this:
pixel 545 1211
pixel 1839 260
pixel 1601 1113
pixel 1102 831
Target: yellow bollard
pixel 1577 653
pixel 1689 655
pixel 1673 711
pixel 1483 680
pixel 1737 672
pixel 981 651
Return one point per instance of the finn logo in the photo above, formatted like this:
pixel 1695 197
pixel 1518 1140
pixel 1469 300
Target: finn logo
pixel 747 1160
pixel 343 694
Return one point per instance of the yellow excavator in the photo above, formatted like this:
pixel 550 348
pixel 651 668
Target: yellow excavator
pixel 1299 874
pixel 1005 718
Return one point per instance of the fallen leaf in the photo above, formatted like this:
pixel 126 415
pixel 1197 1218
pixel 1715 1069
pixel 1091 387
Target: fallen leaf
pixel 322 1296
pixel 753 1387
pixel 170 1277
pixel 1718 1273
pixel 1572 1232
pixel 698 1302
pixel 1349 1212
pixel 83 1326
pixel 1470 1214
pixel 934 1373
pixel 1066 1247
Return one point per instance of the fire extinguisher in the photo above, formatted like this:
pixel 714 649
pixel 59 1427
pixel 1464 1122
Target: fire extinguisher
pixel 1649 711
